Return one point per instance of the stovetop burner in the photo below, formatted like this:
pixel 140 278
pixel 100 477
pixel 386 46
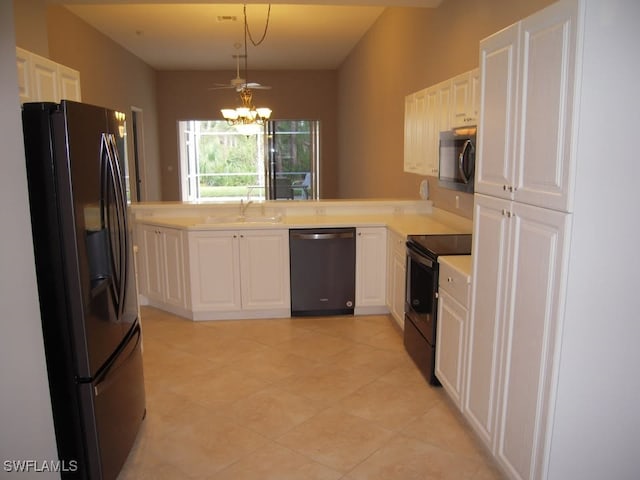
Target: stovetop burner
pixel 436 245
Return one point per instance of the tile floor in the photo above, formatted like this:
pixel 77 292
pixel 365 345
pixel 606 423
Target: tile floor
pixel 304 398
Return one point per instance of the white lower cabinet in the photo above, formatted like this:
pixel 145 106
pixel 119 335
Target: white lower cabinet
pixel 453 315
pixel 396 276
pixel 239 274
pixel 162 279
pixel 519 264
pixel 215 271
pixel 371 270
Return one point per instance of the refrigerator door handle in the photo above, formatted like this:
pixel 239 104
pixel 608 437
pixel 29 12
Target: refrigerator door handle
pixel 121 207
pixel 113 219
pixel 110 372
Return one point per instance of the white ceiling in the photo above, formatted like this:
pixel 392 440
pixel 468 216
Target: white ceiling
pixel 302 34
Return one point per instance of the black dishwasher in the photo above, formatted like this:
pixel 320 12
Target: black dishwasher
pixel 323 271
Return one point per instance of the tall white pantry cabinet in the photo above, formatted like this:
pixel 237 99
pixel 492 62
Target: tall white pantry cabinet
pixel 551 384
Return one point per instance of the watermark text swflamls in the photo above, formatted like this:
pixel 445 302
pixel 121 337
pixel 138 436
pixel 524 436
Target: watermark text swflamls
pixel 40 466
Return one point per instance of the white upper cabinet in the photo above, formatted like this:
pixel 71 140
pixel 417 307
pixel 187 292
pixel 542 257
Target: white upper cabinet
pixel 431 132
pixel 25 88
pixel 431 111
pixel 415 131
pixel 495 146
pixel 42 80
pixel 527 73
pixel 464 109
pixel 69 83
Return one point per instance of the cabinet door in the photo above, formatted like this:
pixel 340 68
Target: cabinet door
pixel 151 262
pixel 431 132
pixel 45 79
pixel 495 146
pixel 214 271
pixel 461 101
pixel 531 326
pixel 450 345
pixel 420 155
pixel 490 259
pixel 415 157
pixel 547 59
pixel 371 266
pixel 25 89
pixel 409 133
pixel 69 80
pixel 173 266
pixel 444 107
pixel 264 267
pixel 474 82
pixel 396 259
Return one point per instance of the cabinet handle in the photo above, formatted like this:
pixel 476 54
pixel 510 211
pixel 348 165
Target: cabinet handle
pixel 449 279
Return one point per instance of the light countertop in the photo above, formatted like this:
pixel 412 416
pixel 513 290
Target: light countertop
pixel 461 263
pixel 403 224
pixel 403 217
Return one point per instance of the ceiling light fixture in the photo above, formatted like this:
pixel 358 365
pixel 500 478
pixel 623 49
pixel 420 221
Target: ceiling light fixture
pixel 246 118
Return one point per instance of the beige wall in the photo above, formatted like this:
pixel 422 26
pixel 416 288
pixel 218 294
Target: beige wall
pixel 25 409
pixel 110 76
pixel 360 106
pixel 309 95
pixel 407 49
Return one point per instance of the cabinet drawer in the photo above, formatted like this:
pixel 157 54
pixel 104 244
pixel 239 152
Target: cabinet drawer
pixel 455 283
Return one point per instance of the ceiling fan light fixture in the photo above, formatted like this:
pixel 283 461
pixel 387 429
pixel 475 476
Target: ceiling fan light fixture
pixel 249 128
pixel 246 114
pixel 264 112
pixel 248 119
pixel 229 113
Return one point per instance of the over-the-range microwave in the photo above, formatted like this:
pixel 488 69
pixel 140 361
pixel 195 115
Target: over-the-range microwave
pixel 457 159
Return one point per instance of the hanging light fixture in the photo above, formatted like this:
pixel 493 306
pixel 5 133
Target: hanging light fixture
pixel 246 118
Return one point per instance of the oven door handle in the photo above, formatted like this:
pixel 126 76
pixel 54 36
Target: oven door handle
pixel 418 257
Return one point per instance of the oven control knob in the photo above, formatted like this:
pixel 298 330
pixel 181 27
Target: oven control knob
pixel 349 304
pixel 415 302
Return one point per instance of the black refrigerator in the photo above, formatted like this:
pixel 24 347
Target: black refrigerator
pixel 86 285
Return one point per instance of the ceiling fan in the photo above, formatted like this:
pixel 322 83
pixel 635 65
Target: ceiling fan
pixel 238 83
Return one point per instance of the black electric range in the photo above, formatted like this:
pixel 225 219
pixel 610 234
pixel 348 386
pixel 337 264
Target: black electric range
pixel 421 300
pixel 435 245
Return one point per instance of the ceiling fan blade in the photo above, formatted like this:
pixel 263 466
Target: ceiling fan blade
pixel 252 86
pixel 221 87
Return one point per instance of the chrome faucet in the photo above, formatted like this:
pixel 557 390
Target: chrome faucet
pixel 244 206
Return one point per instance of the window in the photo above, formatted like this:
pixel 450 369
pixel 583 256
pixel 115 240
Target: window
pixel 219 163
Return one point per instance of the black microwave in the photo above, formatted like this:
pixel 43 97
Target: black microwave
pixel 457 159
